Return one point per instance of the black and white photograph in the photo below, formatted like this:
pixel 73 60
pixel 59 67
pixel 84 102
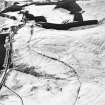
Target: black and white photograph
pixel 52 52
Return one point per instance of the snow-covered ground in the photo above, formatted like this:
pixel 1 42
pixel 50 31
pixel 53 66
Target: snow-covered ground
pixel 54 67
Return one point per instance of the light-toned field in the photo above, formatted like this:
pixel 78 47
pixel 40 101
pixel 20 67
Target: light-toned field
pixel 53 67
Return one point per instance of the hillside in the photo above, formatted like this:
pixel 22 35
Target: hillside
pixel 53 67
